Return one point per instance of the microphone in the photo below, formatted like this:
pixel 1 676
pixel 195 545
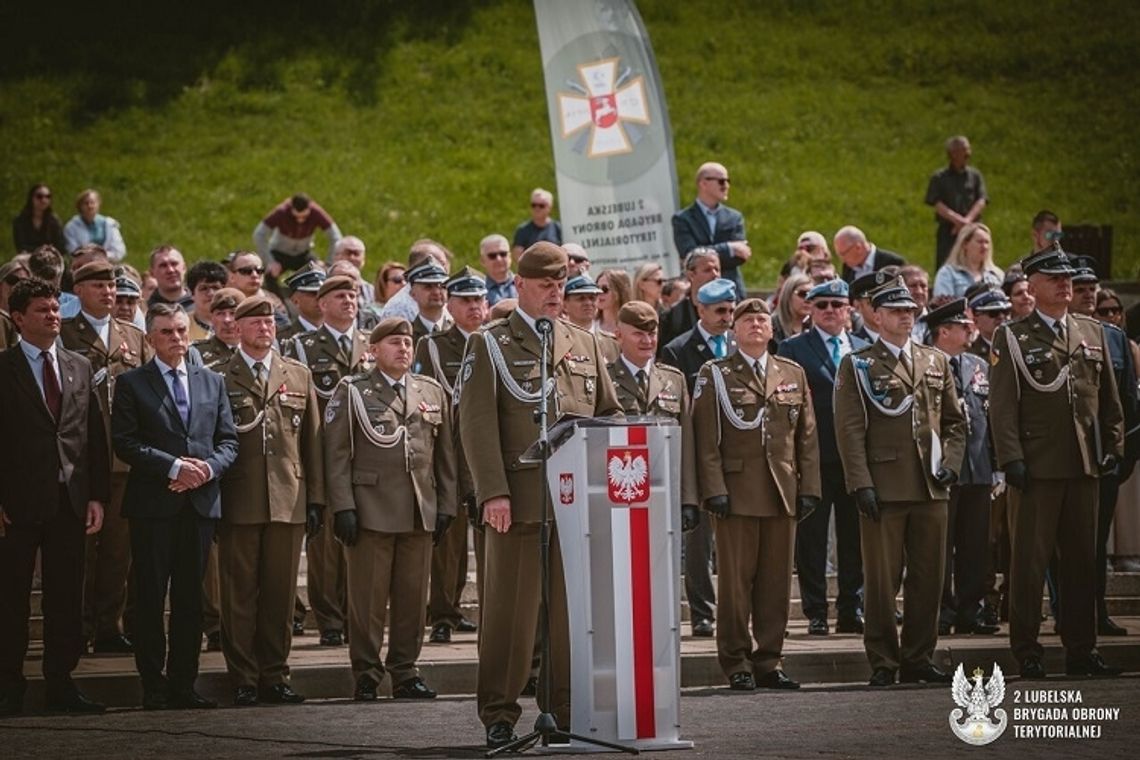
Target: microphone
pixel 544 326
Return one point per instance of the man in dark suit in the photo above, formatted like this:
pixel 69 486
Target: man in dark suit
pixel 861 257
pixel 709 339
pixel 54 481
pixel 171 423
pixel 701 265
pixel 709 222
pixel 819 351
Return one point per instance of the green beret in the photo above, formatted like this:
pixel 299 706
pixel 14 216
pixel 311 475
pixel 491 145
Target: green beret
pixel 226 298
pixel 750 306
pixel 640 315
pixel 544 259
pixel 390 326
pixel 254 306
pixel 340 282
pixel 94 270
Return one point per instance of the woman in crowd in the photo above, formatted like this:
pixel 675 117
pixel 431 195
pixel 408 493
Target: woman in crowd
pixel 971 260
pixel 1016 288
pixel 647 284
pixel 617 291
pixel 37 223
pixel 791 308
pixel 389 280
pixel 89 226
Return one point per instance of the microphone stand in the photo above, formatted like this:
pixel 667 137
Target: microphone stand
pixel 545 726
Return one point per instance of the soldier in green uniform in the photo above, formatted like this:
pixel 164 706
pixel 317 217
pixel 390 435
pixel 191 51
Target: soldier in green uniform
pixel 901 436
pixel 439 356
pixel 758 468
pixel 216 350
pixel 390 467
pixel 426 281
pixel 273 490
pixel 304 285
pixel 1051 367
pixel 113 347
pixel 581 310
pixel 501 377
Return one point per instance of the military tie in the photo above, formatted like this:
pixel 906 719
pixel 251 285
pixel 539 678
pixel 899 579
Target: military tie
pixel 719 346
pixel 1060 326
pixel 643 385
pixel 759 373
pixel 904 360
pixel 53 396
pixel 956 368
pixel 836 356
pixel 259 379
pixel 398 389
pixel 346 349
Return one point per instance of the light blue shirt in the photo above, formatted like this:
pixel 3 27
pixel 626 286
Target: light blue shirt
pixel 184 381
pixel 35 359
pixel 953 281
pixel 68 305
pixel 710 216
pixel 497 291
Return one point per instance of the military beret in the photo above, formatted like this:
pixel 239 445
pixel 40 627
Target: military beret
pixel 127 288
pixel 581 284
pixel 1085 270
pixel 750 306
pixel 862 286
pixel 428 272
pixel 467 282
pixel 990 300
pixel 340 282
pixel 638 314
pixel 831 289
pixel 543 259
pixel 390 326
pixel 94 270
pixel 717 291
pixel 308 279
pixel 894 296
pixel 952 312
pixel 226 298
pixel 1050 261
pixel 254 306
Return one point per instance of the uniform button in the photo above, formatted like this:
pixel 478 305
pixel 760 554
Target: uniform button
pixel 269 453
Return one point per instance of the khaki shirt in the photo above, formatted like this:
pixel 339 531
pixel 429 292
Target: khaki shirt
pixel 322 354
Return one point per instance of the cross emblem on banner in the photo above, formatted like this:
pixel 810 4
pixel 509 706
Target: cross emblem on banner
pixel 605 102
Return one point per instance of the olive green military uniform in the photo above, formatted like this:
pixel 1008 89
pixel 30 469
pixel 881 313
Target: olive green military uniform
pixel 215 354
pixel 397 484
pixel 324 555
pixel 108 559
pixel 763 465
pixel 892 452
pixel 292 330
pixel 498 426
pixel 1062 434
pixel 419 329
pixel 278 472
pixel 609 345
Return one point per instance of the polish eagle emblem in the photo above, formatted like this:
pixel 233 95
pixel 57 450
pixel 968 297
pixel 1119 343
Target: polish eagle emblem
pixel 628 476
pixel 976 700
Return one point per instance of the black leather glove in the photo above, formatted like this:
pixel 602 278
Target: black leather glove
pixel 718 505
pixel 314 516
pixel 945 477
pixel 868 502
pixel 1109 464
pixel 344 527
pixel 1016 475
pixel 805 505
pixel 442 523
pixel 472 510
pixel 690 517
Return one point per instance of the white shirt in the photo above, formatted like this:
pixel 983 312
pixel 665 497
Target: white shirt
pixel 393 381
pixel 844 341
pixel 1049 321
pixel 528 319
pixel 35 359
pixel 306 325
pixel 761 362
pixel 267 362
pixel 634 369
pixel 337 334
pixel 896 350
pixel 102 328
pixel 184 380
pixel 431 326
pixel 868 264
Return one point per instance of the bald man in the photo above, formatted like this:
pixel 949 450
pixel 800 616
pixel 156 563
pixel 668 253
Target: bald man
pixel 711 223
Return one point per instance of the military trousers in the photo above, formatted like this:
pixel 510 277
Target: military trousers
pixel 698 559
pixel 449 574
pixel 754 585
pixel 257 571
pixel 1055 516
pixel 967 542
pixel 387 573
pixel 327 577
pixel 107 568
pixel 509 615
pixel 910 534
pixel 997 595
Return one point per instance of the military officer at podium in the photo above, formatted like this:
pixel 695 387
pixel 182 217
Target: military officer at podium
pixel 390 470
pixel 758 469
pixel 901 437
pixel 500 393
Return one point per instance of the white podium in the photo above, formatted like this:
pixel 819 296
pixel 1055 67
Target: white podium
pixel 615 494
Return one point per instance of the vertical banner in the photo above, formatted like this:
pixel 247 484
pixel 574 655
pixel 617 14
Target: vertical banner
pixel 613 146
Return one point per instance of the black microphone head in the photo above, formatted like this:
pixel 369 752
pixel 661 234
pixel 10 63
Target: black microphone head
pixel 544 326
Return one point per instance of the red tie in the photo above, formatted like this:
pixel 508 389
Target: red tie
pixel 52 394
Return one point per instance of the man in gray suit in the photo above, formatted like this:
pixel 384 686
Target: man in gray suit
pixel 709 222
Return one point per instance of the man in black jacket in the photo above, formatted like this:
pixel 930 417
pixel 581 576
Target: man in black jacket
pixel 859 256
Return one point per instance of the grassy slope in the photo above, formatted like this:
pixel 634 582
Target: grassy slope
pixel 825 112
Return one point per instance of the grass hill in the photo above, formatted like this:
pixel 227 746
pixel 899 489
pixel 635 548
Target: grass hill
pixel 427 118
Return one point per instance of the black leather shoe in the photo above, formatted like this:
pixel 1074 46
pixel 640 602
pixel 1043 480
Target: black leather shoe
pixel 332 638
pixel 190 700
pixel 979 628
pixel 440 634
pixel 882 677
pixel 214 642
pixel 298 628
pixel 245 696
pixel 71 700
pixel 943 628
pixel 849 625
pixel 500 734
pixel 898 618
pixel 1106 627
pixel 776 679
pixel 365 690
pixel 117 644
pixel 924 674
pixel 818 627
pixel 1031 668
pixel 742 681
pixel 703 628
pixel 413 688
pixel 11 704
pixel 466 626
pixel 281 694
pixel 989 615
pixel 155 700
pixel 531 688
pixel 1091 665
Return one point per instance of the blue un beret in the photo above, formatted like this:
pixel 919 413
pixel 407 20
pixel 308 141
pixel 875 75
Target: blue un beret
pixel 717 291
pixel 833 288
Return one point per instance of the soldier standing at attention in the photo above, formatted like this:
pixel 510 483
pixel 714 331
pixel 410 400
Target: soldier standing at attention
pixel 1050 367
pixel 501 377
pixel 216 350
pixel 113 347
pixel 304 285
pixel 758 467
pixel 390 469
pixel 901 437
pixel 439 356
pixel 334 350
pixel 271 493
pixel 427 288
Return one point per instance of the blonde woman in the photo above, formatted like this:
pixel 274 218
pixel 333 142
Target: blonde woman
pixel 971 260
pixel 647 284
pixel 792 307
pixel 617 290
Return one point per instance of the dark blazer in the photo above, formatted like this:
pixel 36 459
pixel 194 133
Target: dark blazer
pixel 1125 370
pixel 810 352
pixel 688 352
pixel 148 434
pixel 679 318
pixel 972 381
pixel 882 259
pixel 34 449
pixel 690 230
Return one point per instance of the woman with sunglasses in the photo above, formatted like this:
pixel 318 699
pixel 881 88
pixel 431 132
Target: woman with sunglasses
pixel 37 223
pixel 89 226
pixel 389 280
pixel 792 309
pixel 617 291
pixel 647 284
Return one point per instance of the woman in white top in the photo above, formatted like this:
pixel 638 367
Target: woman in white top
pixel 89 226
pixel 971 260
